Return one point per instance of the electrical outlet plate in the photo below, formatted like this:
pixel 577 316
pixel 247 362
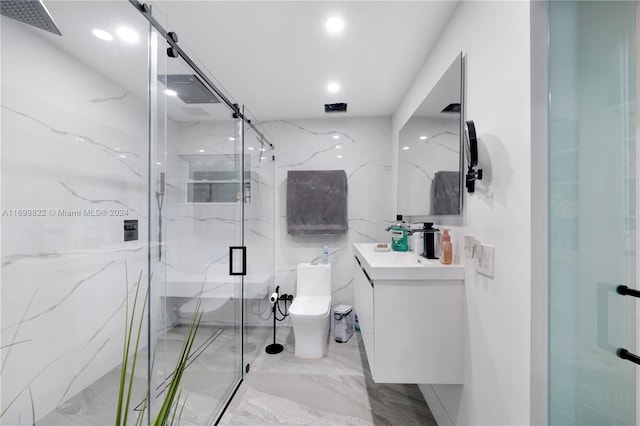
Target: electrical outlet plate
pixel 485 261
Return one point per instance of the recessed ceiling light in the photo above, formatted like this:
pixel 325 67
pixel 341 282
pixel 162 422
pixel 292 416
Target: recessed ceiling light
pixel 338 146
pixel 123 156
pixel 158 163
pixel 231 138
pixel 338 156
pixel 102 34
pixel 250 148
pixel 170 92
pixel 423 138
pixel 333 87
pixel 263 158
pixel 405 148
pixel 201 150
pixel 127 34
pixel 335 25
pixel 336 136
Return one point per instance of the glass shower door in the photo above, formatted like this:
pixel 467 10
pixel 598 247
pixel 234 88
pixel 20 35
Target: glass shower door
pixel 592 212
pixel 198 170
pixel 259 225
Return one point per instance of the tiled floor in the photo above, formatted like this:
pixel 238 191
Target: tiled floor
pixel 337 390
pixel 205 385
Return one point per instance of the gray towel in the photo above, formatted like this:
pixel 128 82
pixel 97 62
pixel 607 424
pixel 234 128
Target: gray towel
pixel 445 193
pixel 316 202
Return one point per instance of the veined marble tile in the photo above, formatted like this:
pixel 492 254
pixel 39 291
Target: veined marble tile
pixel 337 390
pixel 341 358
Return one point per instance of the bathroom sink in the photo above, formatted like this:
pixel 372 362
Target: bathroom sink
pixel 396 258
pixel 396 265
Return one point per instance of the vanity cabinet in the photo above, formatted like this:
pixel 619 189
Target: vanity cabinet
pixel 412 330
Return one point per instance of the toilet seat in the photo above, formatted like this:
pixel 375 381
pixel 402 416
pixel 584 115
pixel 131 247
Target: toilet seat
pixel 310 306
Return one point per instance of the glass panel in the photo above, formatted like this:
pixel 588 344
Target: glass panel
pixel 592 175
pixel 75 136
pixel 201 218
pixel 259 215
pixel 159 192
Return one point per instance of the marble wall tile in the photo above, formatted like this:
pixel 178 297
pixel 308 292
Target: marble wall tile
pixel 360 146
pixel 73 168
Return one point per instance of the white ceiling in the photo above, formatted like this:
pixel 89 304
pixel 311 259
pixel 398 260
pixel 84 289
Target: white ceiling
pixel 275 57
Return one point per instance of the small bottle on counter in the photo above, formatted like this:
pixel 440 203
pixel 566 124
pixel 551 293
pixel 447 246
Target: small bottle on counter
pixel 446 249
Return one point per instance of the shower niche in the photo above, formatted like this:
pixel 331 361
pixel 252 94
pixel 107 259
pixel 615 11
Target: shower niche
pixel 217 179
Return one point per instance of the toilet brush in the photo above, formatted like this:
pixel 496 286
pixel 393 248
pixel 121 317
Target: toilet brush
pixel 274 348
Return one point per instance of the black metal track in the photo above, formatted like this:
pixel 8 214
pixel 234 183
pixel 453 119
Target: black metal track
pixel 145 10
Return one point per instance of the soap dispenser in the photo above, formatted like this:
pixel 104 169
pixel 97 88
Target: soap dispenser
pixel 399 236
pixel 446 249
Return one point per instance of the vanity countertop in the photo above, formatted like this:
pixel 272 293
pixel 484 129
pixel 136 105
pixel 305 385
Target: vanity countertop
pixel 396 265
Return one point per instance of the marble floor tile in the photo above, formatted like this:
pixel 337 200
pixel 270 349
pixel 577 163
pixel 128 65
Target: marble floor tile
pixel 341 358
pixel 207 381
pixel 279 389
pixel 337 390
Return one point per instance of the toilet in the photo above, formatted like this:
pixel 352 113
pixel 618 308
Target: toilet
pixel 310 310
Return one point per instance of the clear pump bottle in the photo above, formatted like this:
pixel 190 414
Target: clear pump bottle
pixel 325 253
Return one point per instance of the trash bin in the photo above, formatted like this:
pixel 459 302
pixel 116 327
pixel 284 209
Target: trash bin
pixel 344 323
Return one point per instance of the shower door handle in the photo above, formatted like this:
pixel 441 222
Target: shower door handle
pixel 625 354
pixel 237 261
pixel 626 291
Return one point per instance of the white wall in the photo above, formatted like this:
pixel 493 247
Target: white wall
pixel 71 140
pixel 495 38
pixel 309 145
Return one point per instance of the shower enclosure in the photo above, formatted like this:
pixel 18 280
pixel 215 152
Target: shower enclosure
pixel 592 188
pixel 108 180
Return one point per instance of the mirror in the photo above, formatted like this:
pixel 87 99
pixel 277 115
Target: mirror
pixel 430 157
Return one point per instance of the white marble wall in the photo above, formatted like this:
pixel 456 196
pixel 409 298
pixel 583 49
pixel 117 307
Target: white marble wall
pixel 365 156
pixel 198 235
pixel 71 140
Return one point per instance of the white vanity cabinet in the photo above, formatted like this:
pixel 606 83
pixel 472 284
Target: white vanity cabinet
pixel 412 329
pixel 363 300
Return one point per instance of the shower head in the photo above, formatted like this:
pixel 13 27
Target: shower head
pixel 32 12
pixel 189 88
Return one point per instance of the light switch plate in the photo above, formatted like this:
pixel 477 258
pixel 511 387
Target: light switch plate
pixel 485 262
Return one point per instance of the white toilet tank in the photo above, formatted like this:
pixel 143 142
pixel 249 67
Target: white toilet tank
pixel 313 280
